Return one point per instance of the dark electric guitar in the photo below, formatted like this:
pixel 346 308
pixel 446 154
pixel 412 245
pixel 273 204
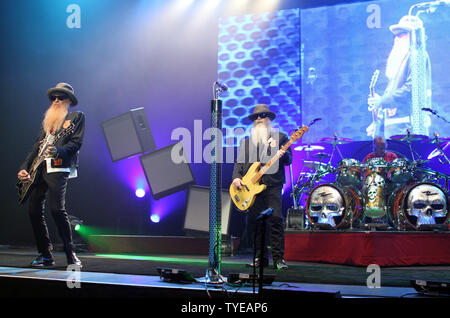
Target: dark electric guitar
pixel 377 112
pixel 24 187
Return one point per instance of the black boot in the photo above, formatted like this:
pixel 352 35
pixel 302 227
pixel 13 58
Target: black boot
pixel 72 259
pixel 43 261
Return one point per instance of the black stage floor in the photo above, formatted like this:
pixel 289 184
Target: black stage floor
pixel 117 275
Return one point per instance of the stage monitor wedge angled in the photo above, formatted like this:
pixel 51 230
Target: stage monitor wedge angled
pixel 128 134
pixel 197 210
pixel 167 170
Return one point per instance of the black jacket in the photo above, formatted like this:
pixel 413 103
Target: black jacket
pixel 67 147
pixel 246 159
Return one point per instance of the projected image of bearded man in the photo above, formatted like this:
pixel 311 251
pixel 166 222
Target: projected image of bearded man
pixel 395 103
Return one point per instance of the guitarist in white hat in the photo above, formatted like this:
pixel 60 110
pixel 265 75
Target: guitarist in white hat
pixel 264 143
pixel 393 109
pixel 52 160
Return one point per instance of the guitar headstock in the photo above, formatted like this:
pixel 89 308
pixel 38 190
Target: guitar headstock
pixel 374 79
pixel 299 133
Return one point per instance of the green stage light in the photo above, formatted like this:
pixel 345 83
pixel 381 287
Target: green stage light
pixel 77 227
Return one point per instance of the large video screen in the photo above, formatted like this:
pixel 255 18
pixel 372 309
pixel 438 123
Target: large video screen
pixel 343 46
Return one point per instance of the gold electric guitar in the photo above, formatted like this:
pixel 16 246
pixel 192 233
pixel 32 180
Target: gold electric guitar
pixel 244 198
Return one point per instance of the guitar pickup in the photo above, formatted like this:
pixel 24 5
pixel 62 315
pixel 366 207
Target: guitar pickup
pixel 236 198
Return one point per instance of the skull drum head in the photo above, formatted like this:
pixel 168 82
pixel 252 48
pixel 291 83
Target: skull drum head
pixel 426 202
pixel 419 204
pixel 327 204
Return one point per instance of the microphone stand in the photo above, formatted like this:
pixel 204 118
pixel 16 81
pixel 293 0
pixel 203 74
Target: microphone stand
pixel 436 114
pixel 262 223
pixel 215 192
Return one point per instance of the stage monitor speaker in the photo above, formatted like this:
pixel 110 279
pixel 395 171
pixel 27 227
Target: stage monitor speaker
pixel 128 134
pixel 431 287
pixel 197 210
pixel 165 175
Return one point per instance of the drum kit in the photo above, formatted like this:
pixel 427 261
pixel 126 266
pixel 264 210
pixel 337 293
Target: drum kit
pixel 399 195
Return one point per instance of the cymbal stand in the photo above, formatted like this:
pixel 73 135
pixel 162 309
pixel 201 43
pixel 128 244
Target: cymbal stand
pixel 408 139
pixel 335 147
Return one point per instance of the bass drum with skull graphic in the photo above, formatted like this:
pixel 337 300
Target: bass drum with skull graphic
pixel 419 204
pixel 333 205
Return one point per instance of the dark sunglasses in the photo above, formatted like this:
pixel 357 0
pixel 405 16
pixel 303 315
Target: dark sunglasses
pixel 59 97
pixel 262 115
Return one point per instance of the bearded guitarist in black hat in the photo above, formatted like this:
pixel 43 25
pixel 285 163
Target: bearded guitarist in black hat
pixel 263 144
pixel 45 171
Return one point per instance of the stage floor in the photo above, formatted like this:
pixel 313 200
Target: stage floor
pixel 140 271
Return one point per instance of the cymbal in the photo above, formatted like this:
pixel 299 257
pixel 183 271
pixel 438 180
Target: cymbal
pixel 308 148
pixel 440 140
pixel 321 155
pixel 335 140
pixel 436 152
pixel 410 137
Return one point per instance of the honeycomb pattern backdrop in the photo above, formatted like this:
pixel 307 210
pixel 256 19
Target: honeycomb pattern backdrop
pixel 259 61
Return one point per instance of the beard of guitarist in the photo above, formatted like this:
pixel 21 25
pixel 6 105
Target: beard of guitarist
pixel 263 144
pixel 61 159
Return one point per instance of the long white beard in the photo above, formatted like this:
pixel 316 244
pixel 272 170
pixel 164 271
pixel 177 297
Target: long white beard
pixel 54 118
pixel 260 133
pixel 395 59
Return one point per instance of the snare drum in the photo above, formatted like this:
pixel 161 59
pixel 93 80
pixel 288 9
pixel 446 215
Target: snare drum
pixel 349 173
pixel 400 171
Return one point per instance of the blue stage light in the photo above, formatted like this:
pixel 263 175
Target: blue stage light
pixel 155 218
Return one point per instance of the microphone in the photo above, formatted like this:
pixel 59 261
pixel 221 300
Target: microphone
pixel 222 86
pixel 429 110
pixel 265 214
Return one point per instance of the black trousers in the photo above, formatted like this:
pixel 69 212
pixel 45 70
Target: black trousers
pixel 52 186
pixel 269 198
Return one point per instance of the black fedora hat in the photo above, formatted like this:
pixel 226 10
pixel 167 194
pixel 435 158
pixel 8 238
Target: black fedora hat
pixel 63 88
pixel 262 110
